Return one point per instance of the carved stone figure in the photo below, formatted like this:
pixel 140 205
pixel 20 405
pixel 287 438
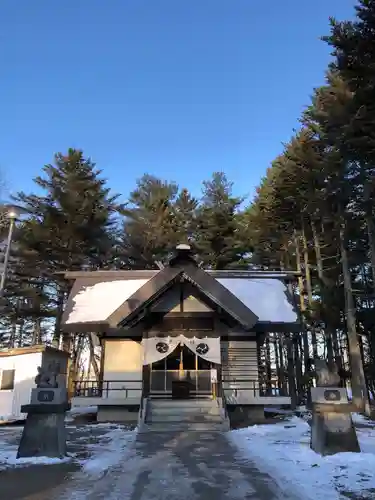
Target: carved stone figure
pixel 48 377
pixel 326 376
pixel 44 433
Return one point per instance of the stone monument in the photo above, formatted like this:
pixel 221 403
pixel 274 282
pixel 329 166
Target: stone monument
pixel 332 429
pixel 44 432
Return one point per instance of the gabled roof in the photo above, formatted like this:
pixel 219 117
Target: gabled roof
pixel 209 286
pixel 102 300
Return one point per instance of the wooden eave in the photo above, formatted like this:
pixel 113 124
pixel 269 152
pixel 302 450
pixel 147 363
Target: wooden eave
pixel 149 273
pixel 18 351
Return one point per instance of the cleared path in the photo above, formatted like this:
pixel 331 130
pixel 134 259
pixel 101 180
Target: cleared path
pixel 191 466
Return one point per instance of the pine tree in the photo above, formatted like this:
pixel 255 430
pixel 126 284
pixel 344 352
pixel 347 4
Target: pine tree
pixel 71 225
pixel 354 53
pixel 148 231
pixel 331 111
pixel 185 213
pixel 219 242
pixel 354 58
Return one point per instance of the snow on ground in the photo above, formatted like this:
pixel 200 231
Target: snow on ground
pixel 359 419
pixel 77 411
pixel 9 439
pixel 9 457
pixel 110 442
pixel 83 410
pixel 109 451
pixel 283 451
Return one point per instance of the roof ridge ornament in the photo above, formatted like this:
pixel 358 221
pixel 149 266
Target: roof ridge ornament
pixel 183 247
pixel 183 254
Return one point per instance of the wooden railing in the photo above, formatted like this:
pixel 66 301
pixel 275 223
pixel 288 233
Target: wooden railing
pixel 254 388
pixel 161 381
pixel 94 389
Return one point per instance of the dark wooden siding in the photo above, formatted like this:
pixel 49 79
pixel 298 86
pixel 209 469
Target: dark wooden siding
pixel 170 301
pixel 239 363
pixel 180 323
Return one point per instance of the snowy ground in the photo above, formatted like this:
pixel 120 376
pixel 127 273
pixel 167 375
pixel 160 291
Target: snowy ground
pixel 10 436
pixel 283 450
pixel 93 450
pixel 97 447
pixel 279 450
pixel 80 411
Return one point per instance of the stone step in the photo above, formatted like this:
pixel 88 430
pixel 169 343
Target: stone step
pixel 190 403
pixel 184 418
pixel 193 395
pixel 173 427
pixel 184 415
pixel 176 410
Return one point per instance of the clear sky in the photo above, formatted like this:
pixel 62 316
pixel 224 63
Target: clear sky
pixel 175 88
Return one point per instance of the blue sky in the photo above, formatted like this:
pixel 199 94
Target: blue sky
pixel 174 88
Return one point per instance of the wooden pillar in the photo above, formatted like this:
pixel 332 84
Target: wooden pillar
pixel 101 370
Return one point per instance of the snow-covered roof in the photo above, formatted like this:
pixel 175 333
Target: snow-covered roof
pixel 97 301
pixel 265 297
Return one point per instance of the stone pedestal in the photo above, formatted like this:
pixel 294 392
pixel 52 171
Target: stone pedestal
pixel 44 433
pixel 243 416
pixel 332 429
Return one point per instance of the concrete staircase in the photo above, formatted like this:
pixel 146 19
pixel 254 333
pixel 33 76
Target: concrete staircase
pixel 171 415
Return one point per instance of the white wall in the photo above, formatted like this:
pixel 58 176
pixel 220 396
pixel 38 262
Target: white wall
pixel 25 366
pixel 123 365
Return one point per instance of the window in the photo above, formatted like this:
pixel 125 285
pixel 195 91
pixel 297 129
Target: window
pixel 7 380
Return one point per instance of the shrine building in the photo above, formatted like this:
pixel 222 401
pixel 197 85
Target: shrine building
pixel 179 333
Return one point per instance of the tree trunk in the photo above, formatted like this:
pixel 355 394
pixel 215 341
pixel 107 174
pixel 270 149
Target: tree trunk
pixel 358 381
pixel 78 354
pixel 13 334
pixel 291 375
pixel 329 345
pixel 268 364
pixel 282 365
pixel 319 266
pixel 337 351
pixel 37 334
pixel 371 240
pixel 93 359
pixel 306 347
pixel 21 326
pixel 309 290
pixel 298 367
pixel 277 361
pixel 59 312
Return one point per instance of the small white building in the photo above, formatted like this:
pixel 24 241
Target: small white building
pixel 18 369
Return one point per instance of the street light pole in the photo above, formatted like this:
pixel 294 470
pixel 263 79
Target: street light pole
pixel 12 215
pixel 7 254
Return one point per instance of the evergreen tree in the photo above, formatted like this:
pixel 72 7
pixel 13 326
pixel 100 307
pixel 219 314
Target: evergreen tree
pixel 184 215
pixel 309 213
pixel 149 229
pixel 219 241
pixel 354 52
pixel 354 58
pixel 72 224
